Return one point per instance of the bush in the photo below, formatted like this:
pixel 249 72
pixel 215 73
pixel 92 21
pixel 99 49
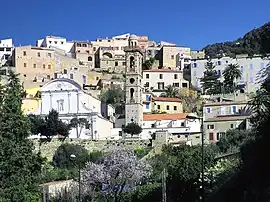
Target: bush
pixel 61 158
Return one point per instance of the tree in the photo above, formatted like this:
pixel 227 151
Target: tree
pixel 210 82
pixel 117 172
pixel 148 64
pixel 113 96
pixel 170 92
pixel 78 123
pixel 61 158
pixel 230 74
pixel 132 129
pixel 50 126
pixel 191 100
pixel 20 166
pixel 184 170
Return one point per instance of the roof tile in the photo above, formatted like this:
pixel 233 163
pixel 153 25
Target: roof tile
pixel 159 117
pixel 166 99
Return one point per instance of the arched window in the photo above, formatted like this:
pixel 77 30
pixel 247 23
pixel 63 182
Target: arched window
pixel 132 62
pixel 90 59
pixel 131 93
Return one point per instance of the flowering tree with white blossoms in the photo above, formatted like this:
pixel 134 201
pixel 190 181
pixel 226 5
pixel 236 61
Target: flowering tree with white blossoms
pixel 116 172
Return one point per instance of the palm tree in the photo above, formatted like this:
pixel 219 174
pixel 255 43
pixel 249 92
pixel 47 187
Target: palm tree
pixel 170 91
pixel 230 74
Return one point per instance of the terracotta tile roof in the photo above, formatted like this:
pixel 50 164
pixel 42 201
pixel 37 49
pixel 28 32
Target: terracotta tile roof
pixel 54 183
pixel 159 117
pixel 166 99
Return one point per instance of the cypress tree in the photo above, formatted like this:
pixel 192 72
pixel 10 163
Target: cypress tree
pixel 19 165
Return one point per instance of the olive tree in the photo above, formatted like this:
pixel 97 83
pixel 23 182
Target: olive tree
pixel 116 172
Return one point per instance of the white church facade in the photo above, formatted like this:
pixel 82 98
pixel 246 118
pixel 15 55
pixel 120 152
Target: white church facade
pixel 70 101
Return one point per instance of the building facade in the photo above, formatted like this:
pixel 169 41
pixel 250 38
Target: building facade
pixel 249 67
pixel 6 49
pixel 222 116
pixel 133 83
pixel 156 80
pixel 70 101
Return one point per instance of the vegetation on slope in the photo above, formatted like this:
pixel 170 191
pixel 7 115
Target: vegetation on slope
pixel 257 41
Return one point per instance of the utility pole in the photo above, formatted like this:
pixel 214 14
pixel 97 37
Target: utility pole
pixel 164 195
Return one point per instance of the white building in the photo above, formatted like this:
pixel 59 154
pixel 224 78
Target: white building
pixel 6 48
pixel 249 67
pixel 156 80
pixel 67 97
pixel 178 125
pixel 55 42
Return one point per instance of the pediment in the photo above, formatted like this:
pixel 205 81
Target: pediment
pixel 61 84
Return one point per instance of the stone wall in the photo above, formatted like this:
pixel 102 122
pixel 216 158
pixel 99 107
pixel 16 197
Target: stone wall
pixel 48 149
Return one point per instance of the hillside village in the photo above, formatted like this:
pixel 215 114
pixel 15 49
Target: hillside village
pixel 156 82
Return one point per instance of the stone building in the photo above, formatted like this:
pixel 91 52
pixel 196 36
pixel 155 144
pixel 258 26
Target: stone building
pixel 133 83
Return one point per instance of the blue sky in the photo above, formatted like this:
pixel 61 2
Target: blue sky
pixel 190 23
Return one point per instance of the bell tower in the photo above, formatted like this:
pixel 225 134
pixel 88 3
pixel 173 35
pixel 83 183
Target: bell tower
pixel 133 82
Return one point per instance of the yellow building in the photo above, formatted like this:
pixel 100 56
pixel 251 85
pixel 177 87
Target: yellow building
pixel 32 101
pixel 168 105
pixel 35 65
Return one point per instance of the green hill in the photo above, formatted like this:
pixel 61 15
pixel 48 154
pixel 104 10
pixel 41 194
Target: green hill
pixel 257 41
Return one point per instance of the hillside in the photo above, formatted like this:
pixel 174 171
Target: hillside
pixel 257 41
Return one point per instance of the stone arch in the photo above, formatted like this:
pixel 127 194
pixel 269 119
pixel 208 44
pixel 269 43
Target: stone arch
pixel 107 55
pixel 132 62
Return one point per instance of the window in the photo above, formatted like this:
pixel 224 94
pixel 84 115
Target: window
pixel 2 49
pixel 218 62
pixel 147 97
pixel 65 71
pixel 38 54
pixel 24 64
pixel 48 76
pixel 84 79
pixel 184 85
pixel 175 76
pixel 97 78
pixel 24 53
pixel 158 107
pixel 161 86
pixel 49 67
pixel 175 84
pixel 232 125
pixel 71 76
pixel 50 41
pixel 147 76
pixel 49 55
pixel 194 65
pixel 211 136
pixel 168 107
pixel 124 63
pixel 44 66
pixel 172 57
pixel 60 104
pixel 84 45
pixel 8 49
pixel 175 108
pixel 87 51
pixel 55 75
pixel 62 42
pixel 218 136
pixel 94 49
pixel 211 126
pixel 161 76
pixel 147 106
pixel 147 84
pixel 116 63
pixel 234 109
pixel 208 110
pixel 55 42
pixel 34 66
pixel 90 59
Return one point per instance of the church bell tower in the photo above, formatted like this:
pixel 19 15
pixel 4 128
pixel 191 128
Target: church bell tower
pixel 133 82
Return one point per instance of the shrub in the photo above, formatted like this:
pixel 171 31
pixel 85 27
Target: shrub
pixel 61 158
